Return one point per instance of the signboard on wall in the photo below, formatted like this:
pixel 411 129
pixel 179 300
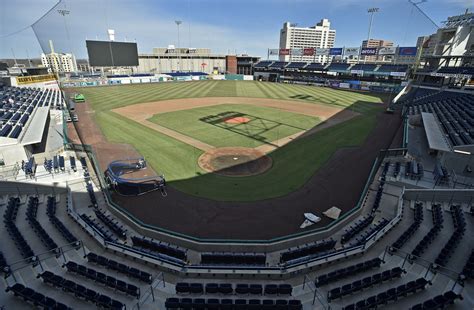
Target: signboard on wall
pixel 351 51
pixel 407 51
pixel 368 51
pixel 22 80
pixel 387 50
pixel 308 51
pixel 335 51
pixel 284 51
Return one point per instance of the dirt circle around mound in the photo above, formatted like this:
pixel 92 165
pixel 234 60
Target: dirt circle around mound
pixel 235 161
pixel 237 120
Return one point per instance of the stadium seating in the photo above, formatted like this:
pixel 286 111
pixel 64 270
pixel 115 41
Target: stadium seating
pixel 43 235
pixel 107 280
pixel 408 233
pixel 457 70
pixel 459 229
pixel 441 301
pixel 455 112
pixel 119 267
pixel 112 224
pixel 437 214
pixel 366 282
pixel 57 223
pixel 364 67
pixel 230 259
pixel 338 67
pixel 307 251
pixel 351 270
pixel 314 66
pixel 357 228
pixel 35 298
pixel 80 291
pixel 166 251
pixel 17 104
pixel 263 64
pixel 390 295
pixel 392 68
pixel 296 65
pixel 278 65
pixel 229 289
pixel 229 304
pixel 9 218
pixel 468 270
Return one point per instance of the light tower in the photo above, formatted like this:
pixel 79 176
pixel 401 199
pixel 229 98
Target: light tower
pixel 178 22
pixel 371 11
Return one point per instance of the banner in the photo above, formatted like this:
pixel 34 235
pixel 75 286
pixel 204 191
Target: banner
pixel 322 51
pixel 388 50
pixel 351 51
pixel 297 51
pixel 284 51
pixel 335 51
pixel 21 80
pixel 407 51
pixel 308 51
pixel 367 51
pixel 273 51
pixel 360 72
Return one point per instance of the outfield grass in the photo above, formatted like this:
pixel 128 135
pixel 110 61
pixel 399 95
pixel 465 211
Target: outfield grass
pixel 293 164
pixel 265 125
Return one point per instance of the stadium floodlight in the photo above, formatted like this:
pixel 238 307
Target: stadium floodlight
pixel 178 22
pixel 371 11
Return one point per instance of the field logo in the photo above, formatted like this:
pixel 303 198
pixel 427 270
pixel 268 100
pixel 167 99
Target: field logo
pixel 407 51
pixel 335 51
pixel 367 51
pixel 388 50
pixel 351 51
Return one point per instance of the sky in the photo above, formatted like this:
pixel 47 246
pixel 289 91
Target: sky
pixel 225 26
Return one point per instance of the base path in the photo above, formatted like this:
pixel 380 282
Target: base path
pixel 143 111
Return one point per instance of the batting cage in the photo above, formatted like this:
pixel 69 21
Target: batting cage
pixel 130 177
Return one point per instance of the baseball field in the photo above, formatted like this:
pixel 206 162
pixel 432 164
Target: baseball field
pixel 172 125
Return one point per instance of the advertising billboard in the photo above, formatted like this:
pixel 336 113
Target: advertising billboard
pixel 322 51
pixel 273 51
pixel 284 51
pixel 335 51
pixel 351 51
pixel 387 50
pixel 308 51
pixel 407 51
pixel 297 51
pixel 368 51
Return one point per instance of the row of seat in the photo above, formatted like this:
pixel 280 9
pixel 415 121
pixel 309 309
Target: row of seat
pixel 248 259
pixel 344 272
pixel 410 231
pixel 103 231
pixel 389 295
pixel 362 238
pixel 378 195
pixel 441 301
pixel 459 229
pixel 57 223
pixel 119 267
pixel 80 291
pixel 228 289
pixel 4 267
pixel 43 235
pixel 231 304
pixel 307 250
pixel 468 269
pixel 102 278
pixel 437 214
pixel 358 285
pixel 112 224
pixel 159 247
pixel 357 228
pixel 35 298
pixel 9 218
pixel 396 170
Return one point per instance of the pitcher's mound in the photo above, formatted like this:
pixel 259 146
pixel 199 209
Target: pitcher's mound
pixel 235 161
pixel 237 120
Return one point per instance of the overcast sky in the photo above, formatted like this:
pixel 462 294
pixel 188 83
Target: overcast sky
pixel 241 26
